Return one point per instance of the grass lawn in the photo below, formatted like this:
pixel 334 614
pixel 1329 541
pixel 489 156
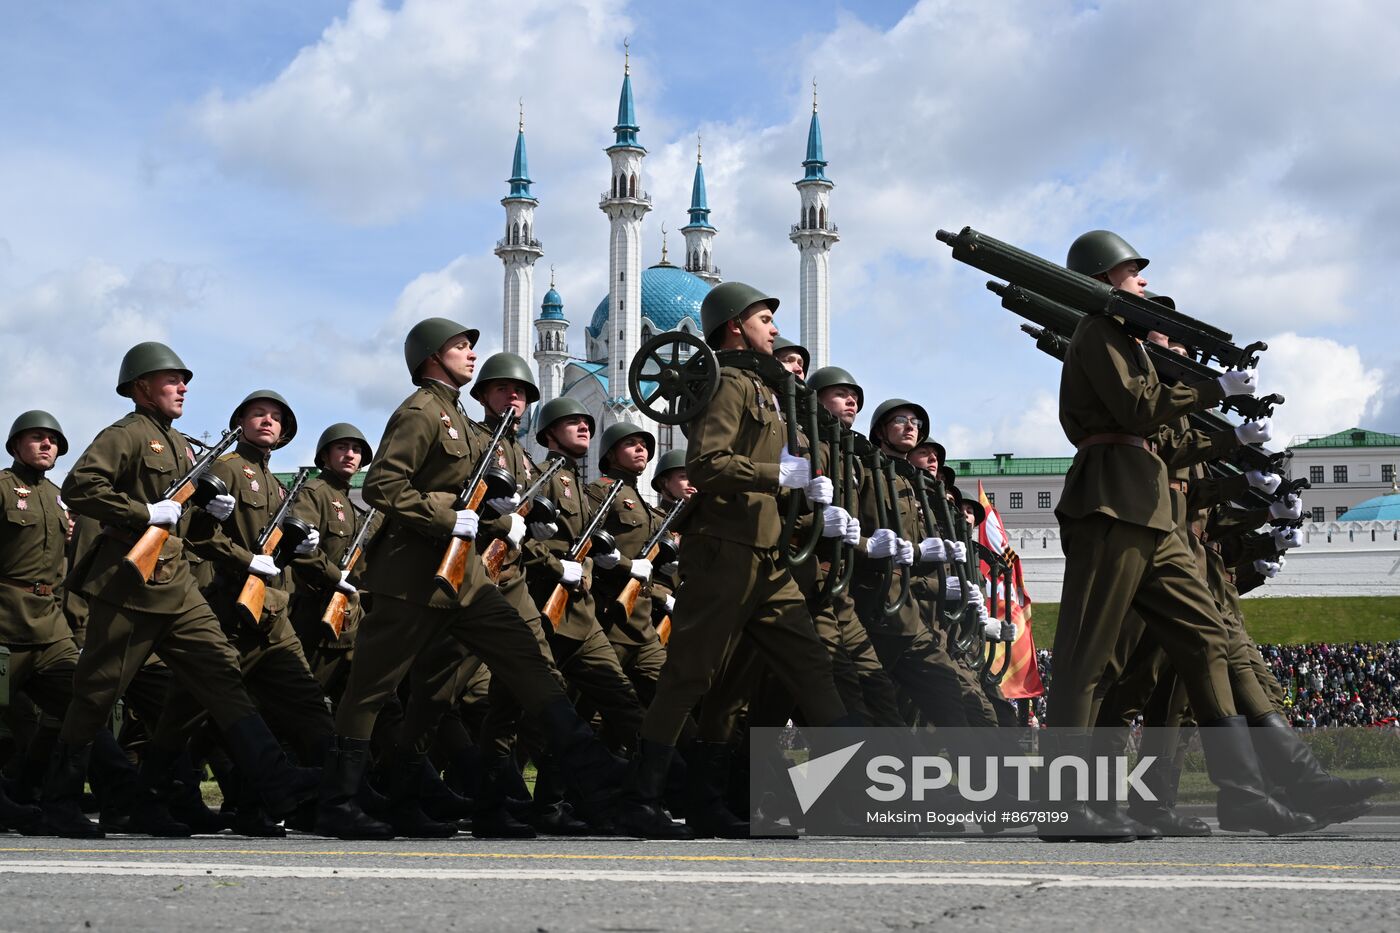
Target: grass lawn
pixel 1288 620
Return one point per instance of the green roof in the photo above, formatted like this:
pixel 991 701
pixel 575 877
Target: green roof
pixel 286 479
pixel 1007 465
pixel 1356 437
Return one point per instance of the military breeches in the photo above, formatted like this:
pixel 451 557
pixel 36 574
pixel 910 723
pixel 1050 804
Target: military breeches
pixel 437 681
pixel 881 700
pixel 118 642
pixel 395 633
pixel 44 673
pixel 642 664
pixel 592 668
pixel 919 664
pixel 729 590
pixel 1112 567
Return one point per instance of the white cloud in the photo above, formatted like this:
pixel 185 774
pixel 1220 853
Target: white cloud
pixel 1327 385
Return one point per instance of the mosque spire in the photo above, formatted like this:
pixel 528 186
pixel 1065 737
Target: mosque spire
pixel 626 128
pixel 815 163
pixel 699 203
pixel 519 167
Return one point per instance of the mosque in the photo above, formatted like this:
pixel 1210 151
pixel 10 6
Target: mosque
pixel 592 366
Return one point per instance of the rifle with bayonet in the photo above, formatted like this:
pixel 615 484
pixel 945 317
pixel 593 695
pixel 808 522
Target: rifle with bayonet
pixel 559 599
pixel 280 538
pixel 197 486
pixel 487 480
pixel 338 606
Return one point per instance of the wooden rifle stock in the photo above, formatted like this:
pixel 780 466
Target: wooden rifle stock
pixel 452 570
pixel 559 599
pixel 663 630
pixel 334 616
pixel 146 551
pixel 633 589
pixel 250 598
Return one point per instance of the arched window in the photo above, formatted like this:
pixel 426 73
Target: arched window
pixel 525 233
pixel 614 187
pixel 632 186
pixel 823 218
pixel 515 233
pixel 811 217
pixel 646 333
pixel 707 260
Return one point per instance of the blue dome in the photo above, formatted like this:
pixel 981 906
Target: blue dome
pixel 552 308
pixel 669 295
pixel 1380 509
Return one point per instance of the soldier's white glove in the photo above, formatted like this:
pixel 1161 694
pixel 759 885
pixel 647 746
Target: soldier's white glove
pixel 834 521
pixel 952 589
pixel 312 542
pixel 1010 631
pixel 1285 538
pixel 882 543
pixel 1240 382
pixel 933 549
pixel 641 569
pixel 1289 507
pixel 1264 482
pixel 904 556
pixel 990 627
pixel 164 512
pixel 820 491
pixel 793 472
pixel 221 506
pixel 516 534
pixel 572 572
pixel 504 505
pixel 466 524
pixel 670 603
pixel 975 596
pixel 345 586
pixel 543 531
pixel 609 560
pixel 263 565
pixel 959 550
pixel 1268 568
pixel 1255 432
pixel 852 533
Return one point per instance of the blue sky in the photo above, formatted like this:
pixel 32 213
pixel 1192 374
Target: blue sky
pixel 279 189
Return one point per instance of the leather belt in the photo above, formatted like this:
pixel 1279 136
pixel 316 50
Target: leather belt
pixel 119 534
pixel 1129 440
pixel 38 589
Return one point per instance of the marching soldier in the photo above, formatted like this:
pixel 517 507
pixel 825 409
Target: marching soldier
pixel 426 456
pixel 325 505
pixel 736 581
pixel 1121 551
pixel 270 656
pixel 119 481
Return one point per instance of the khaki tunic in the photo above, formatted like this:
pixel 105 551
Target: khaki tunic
pixel 32 540
pixel 632 523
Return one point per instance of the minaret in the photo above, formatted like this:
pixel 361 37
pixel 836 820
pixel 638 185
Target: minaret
pixel 518 250
pixel 699 234
pixel 551 343
pixel 814 234
pixel 626 203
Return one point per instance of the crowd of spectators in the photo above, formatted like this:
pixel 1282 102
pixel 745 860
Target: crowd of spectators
pixel 1323 684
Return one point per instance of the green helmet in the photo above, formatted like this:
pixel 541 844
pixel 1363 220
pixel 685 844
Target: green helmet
pixel 505 366
pixel 1097 251
pixel 727 301
pixel 938 448
pixel 829 376
pixel 619 431
pixel 427 338
pixel 673 459
pixel 289 422
pixel 889 405
pixel 148 357
pixel 556 408
pixel 36 418
pixel 342 431
pixel 782 343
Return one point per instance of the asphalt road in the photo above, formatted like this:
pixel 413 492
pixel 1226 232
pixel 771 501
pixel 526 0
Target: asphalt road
pixel 1347 879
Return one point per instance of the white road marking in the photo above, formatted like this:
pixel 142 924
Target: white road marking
pixel 909 878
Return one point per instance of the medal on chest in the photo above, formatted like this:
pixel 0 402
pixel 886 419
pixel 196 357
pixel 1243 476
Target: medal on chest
pixel 447 423
pixel 22 505
pixel 156 447
pixel 23 501
pixel 189 452
pixel 339 510
pixel 629 504
pixel 253 485
pixel 568 487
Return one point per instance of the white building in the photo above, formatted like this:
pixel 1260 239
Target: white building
pixel 1344 468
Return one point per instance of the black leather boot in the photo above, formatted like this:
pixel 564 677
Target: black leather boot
pixel 707 776
pixel 1082 822
pixel 406 814
pixel 338 814
pixel 441 802
pixel 587 767
pixel 174 779
pixel 1306 787
pixel 639 812
pixel 22 818
pixel 129 806
pixel 492 818
pixel 1161 814
pixel 261 760
pixel 1243 803
pixel 63 793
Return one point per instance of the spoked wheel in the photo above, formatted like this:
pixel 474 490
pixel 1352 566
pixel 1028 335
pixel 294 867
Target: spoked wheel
pixel 668 387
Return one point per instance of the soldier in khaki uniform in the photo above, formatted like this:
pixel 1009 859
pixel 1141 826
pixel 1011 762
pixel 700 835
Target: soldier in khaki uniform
pixel 33 627
pixel 735 578
pixel 1121 551
pixel 325 505
pixel 427 453
pixel 274 668
pixel 119 481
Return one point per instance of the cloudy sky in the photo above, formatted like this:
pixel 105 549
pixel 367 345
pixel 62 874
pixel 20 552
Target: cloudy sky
pixel 280 189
